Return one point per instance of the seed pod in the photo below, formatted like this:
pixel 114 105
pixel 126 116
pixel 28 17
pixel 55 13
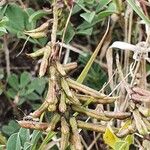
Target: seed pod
pixel 68 92
pixel 60 69
pixel 90 113
pixel 80 87
pixel 36 35
pixel 64 134
pixel 85 98
pixel 117 115
pixel 62 104
pixel 51 97
pixel 33 125
pixel 44 63
pixel 55 119
pixel 37 113
pixel 129 130
pixel 42 28
pixel 69 66
pixel 43 67
pixel 147 123
pixel 91 126
pixel 37 53
pixel 140 125
pixel 75 139
pixel 52 107
pixel 144 111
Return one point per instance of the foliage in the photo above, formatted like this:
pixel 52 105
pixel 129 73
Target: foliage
pixel 59 110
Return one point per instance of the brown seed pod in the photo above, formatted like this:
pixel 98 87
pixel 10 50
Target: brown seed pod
pixel 75 137
pixel 65 133
pixel 33 125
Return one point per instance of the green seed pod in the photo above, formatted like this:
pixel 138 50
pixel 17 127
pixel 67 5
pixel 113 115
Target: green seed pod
pixel 36 35
pixel 91 126
pixel 68 92
pixel 90 113
pixel 42 28
pixel 37 53
pixel 55 119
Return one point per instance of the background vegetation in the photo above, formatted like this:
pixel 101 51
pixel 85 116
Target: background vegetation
pixel 84 32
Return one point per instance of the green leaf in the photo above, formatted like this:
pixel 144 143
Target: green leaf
pixel 47 139
pixel 38 85
pixel 35 137
pixel 91 60
pixel 3 21
pixel 102 5
pixel 97 18
pixel 69 33
pixel 33 96
pixel 138 10
pixel 18 19
pixel 110 138
pixel 27 146
pixel 37 15
pixel 24 135
pixel 129 139
pixel 14 142
pixel 121 146
pixel 25 79
pixel 88 16
pixel 85 32
pixel 11 128
pixel 11 93
pixel 2 31
pixel 13 81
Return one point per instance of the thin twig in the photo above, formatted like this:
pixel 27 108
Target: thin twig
pixel 7 58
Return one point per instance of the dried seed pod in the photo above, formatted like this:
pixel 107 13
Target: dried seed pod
pixel 69 66
pixel 36 35
pixel 55 119
pixel 117 115
pixel 80 87
pixel 90 113
pixel 62 104
pixel 65 132
pixel 129 130
pixel 37 53
pixel 43 67
pixel 85 98
pixel 42 28
pixel 33 125
pixel 51 96
pixel 37 113
pixel 44 63
pixel 140 125
pixel 91 126
pixel 75 139
pixel 68 92
pixel 144 111
pixel 147 123
pixel 52 107
pixel 60 69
